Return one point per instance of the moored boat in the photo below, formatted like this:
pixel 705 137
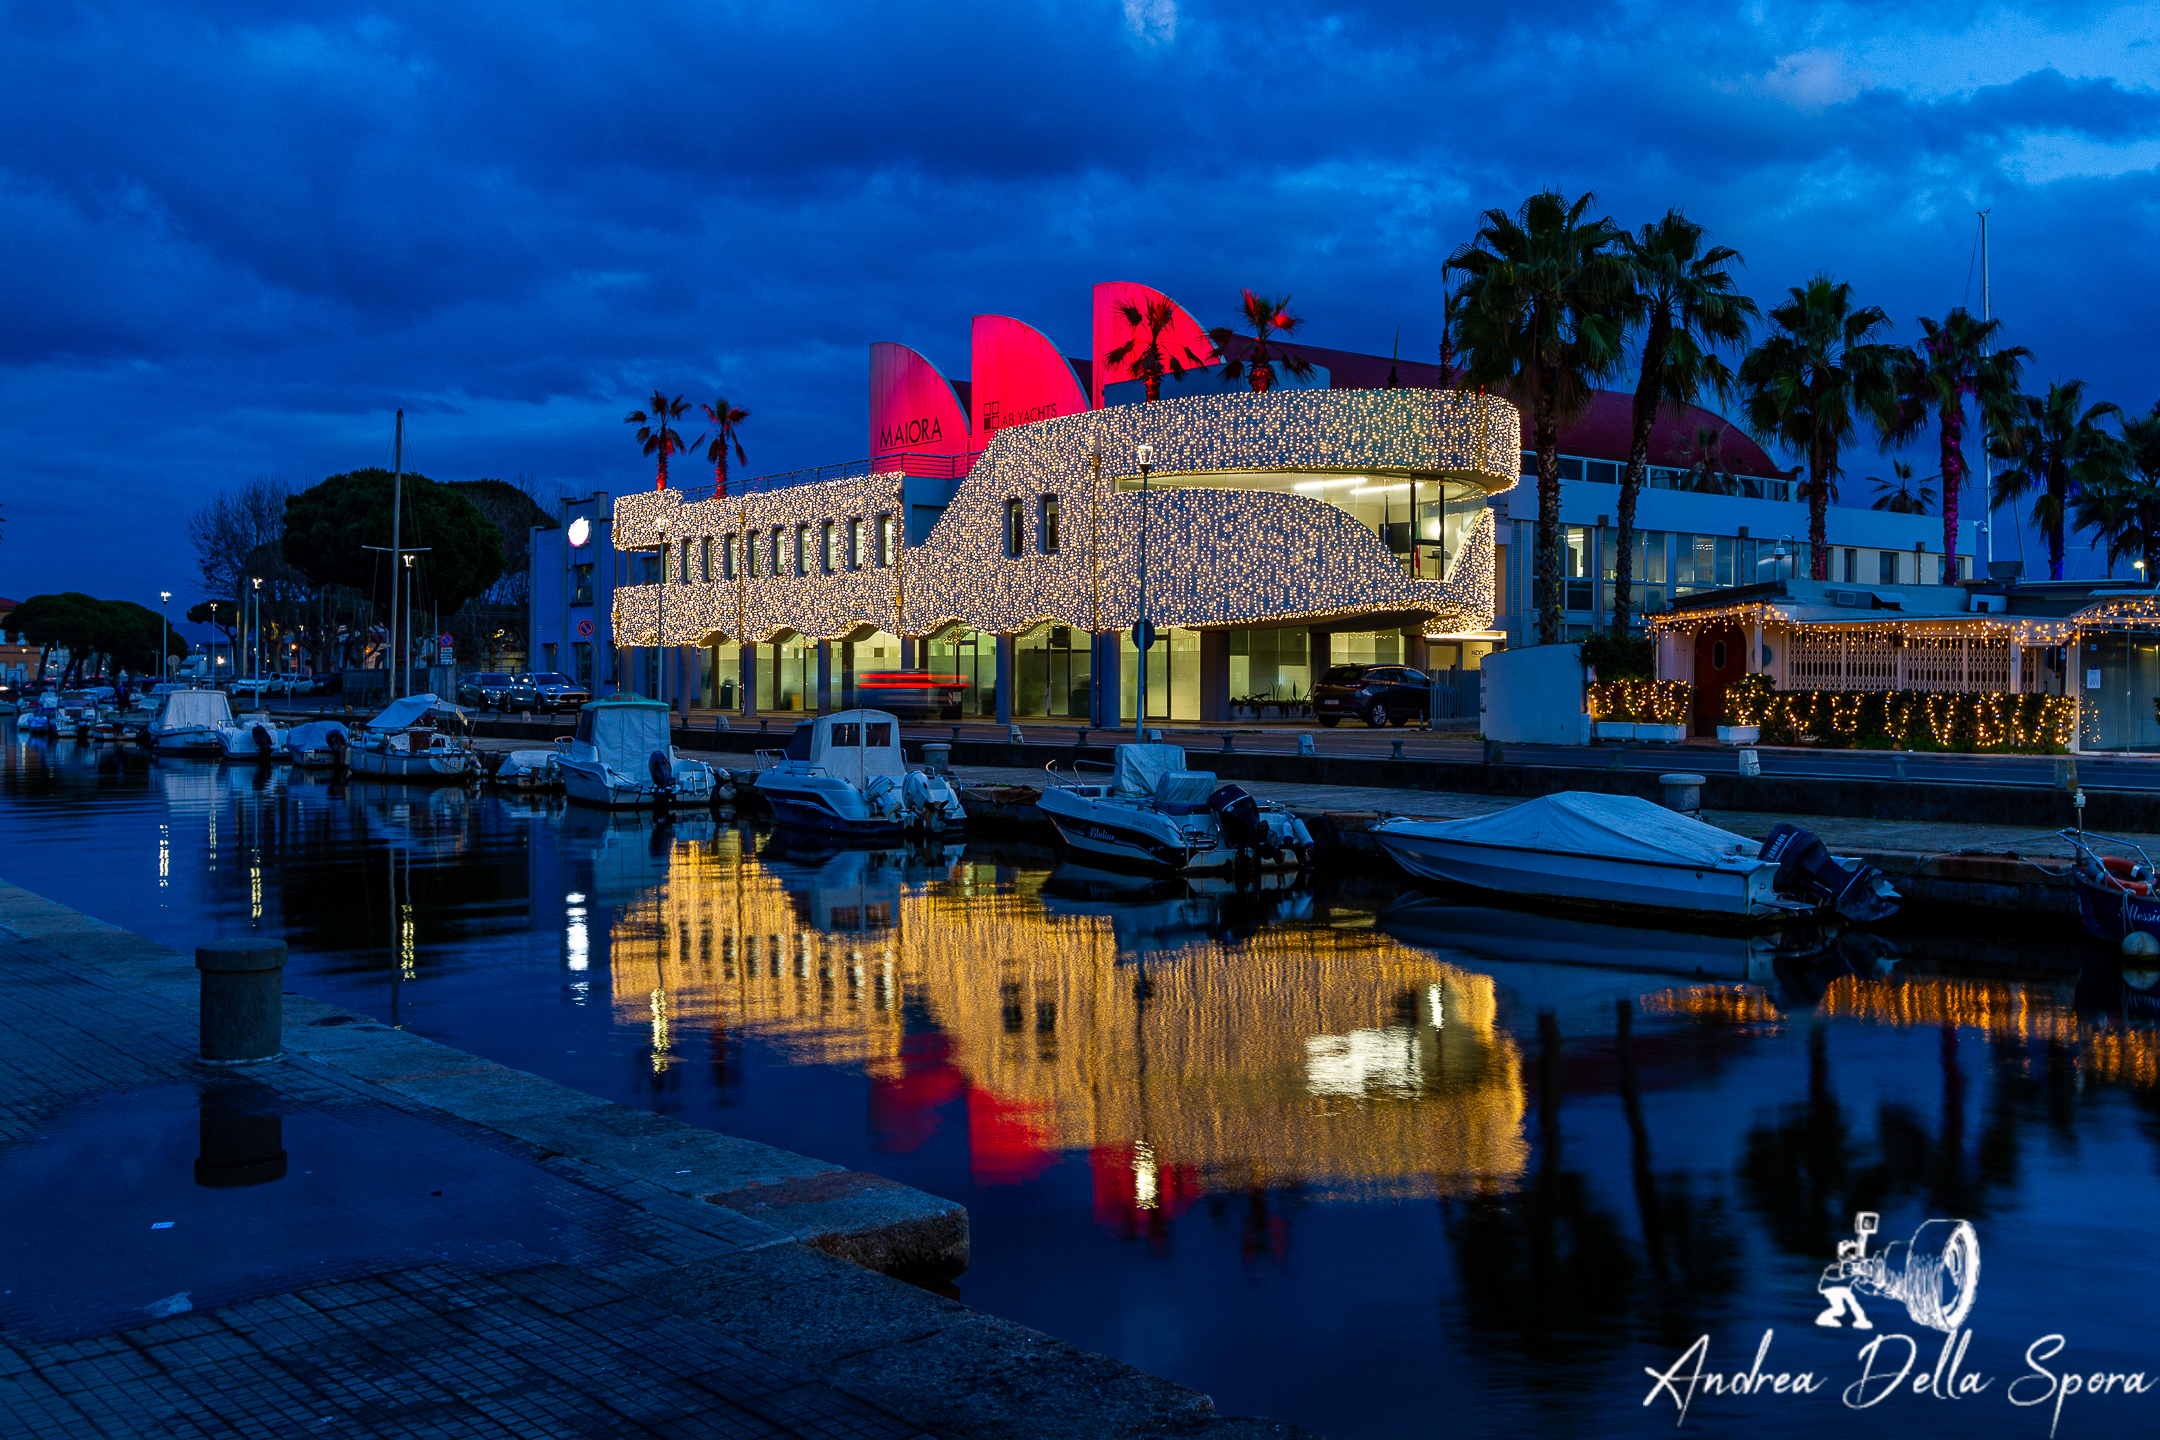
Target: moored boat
pixel 623 758
pixel 408 742
pixel 254 736
pixel 844 775
pixel 1618 852
pixel 189 723
pixel 318 745
pixel 1153 813
pixel 522 770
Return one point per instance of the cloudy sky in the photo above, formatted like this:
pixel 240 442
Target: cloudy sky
pixel 232 241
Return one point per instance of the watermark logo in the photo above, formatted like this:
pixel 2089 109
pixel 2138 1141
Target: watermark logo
pixel 1935 1275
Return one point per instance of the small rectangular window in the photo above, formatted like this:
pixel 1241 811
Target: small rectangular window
pixel 831 547
pixel 846 733
pixel 727 557
pixel 772 557
pixel 880 734
pixel 1852 565
pixel 802 549
pixel 854 543
pixel 1889 567
pixel 1049 524
pixel 1015 540
pixel 581 585
pixel 667 560
pixel 888 535
pixel 750 539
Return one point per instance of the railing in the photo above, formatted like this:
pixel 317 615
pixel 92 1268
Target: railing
pixel 931 467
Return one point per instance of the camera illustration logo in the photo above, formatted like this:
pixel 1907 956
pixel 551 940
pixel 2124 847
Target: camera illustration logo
pixel 1935 1274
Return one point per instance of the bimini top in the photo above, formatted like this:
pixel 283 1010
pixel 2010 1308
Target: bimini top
pixel 1620 827
pixel 404 714
pixel 623 731
pixel 315 734
pixel 184 708
pixel 851 745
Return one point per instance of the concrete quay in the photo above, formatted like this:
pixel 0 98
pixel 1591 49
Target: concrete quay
pixel 574 1267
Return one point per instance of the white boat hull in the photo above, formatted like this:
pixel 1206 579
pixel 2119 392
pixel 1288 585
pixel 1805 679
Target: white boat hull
pixel 1741 890
pixel 186 740
pixel 1133 833
pixel 584 783
pixel 424 765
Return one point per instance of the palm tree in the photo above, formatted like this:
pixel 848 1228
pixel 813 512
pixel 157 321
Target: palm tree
pixel 2055 451
pixel 1903 498
pixel 1685 300
pixel 1265 318
pixel 1953 360
pixel 1541 316
pixel 654 432
pixel 724 418
pixel 1150 360
pixel 1811 380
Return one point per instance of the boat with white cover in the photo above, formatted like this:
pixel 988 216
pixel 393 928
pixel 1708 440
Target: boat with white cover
pixel 254 736
pixel 522 770
pixel 318 745
pixel 1154 813
pixel 844 775
pixel 623 758
pixel 1606 852
pixel 189 723
pixel 405 742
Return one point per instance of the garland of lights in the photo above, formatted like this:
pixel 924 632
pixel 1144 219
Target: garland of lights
pixel 1652 702
pixel 1904 719
pixel 1217 557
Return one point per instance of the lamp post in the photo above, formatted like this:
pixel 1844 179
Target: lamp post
pixel 1144 632
pixel 164 631
pixel 660 625
pixel 408 556
pixel 255 631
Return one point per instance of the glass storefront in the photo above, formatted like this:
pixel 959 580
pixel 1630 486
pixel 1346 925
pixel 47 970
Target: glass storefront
pixel 1173 675
pixel 1423 522
pixel 787 674
pixel 1051 668
pixel 722 680
pixel 1270 666
pixel 967 654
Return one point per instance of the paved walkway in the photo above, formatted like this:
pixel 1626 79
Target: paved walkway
pixel 296 1249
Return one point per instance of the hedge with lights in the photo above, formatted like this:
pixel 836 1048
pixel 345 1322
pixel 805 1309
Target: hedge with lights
pixel 1650 702
pixel 1903 719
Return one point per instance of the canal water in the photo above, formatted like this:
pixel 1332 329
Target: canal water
pixel 1344 1156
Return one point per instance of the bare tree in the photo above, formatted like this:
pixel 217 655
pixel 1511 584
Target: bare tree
pixel 237 533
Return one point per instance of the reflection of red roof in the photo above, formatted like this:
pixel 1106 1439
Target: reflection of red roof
pixel 1603 432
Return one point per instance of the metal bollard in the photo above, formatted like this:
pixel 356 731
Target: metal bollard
pixel 1683 793
pixel 1305 745
pixel 1398 751
pixel 243 999
pixel 1080 738
pixel 956 734
pixel 937 756
pixel 1228 739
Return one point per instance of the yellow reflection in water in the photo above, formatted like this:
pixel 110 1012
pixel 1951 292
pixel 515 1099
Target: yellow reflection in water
pixel 1333 1057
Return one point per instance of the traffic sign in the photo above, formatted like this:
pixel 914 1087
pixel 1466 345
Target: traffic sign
pixel 1143 635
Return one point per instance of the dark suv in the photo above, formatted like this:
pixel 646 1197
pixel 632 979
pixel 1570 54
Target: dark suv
pixel 484 692
pixel 545 692
pixel 1377 694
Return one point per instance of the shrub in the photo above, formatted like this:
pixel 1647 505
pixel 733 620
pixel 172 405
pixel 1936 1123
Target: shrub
pixel 1620 657
pixel 1655 702
pixel 1905 719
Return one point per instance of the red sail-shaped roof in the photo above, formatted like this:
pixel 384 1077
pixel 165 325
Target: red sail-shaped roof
pixel 1184 339
pixel 1017 377
pixel 913 409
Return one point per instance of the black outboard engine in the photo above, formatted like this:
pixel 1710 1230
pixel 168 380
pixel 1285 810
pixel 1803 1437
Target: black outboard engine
pixel 1237 815
pixel 264 746
pixel 339 746
pixel 1807 872
pixel 662 765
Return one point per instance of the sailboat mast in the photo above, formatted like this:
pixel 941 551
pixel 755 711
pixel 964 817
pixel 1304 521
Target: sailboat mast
pixel 1987 461
pixel 397 514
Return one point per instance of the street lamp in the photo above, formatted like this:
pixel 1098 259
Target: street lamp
pixel 409 556
pixel 164 631
pixel 255 633
pixel 660 630
pixel 1144 632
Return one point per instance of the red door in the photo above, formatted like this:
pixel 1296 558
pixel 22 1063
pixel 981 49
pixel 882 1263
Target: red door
pixel 1720 659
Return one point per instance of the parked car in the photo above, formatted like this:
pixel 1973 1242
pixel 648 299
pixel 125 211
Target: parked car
pixel 485 692
pixel 1377 694
pixel 546 692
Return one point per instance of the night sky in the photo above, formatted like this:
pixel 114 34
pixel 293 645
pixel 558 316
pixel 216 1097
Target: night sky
pixel 232 241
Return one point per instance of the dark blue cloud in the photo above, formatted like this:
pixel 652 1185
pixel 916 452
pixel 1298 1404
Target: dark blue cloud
pixel 234 237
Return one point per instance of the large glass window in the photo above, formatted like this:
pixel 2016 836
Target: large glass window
pixel 1702 562
pixel 1649 570
pixel 1051 667
pixel 1173 675
pixel 970 655
pixel 1270 667
pixel 1423 522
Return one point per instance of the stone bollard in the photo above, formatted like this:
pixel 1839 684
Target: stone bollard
pixel 1013 735
pixel 1897 765
pixel 720 724
pixel 2065 774
pixel 1154 737
pixel 243 999
pixel 1750 763
pixel 937 756
pixel 1229 745
pixel 1494 754
pixel 1683 793
pixel 1305 745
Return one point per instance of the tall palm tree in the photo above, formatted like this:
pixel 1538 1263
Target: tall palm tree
pixel 1541 316
pixel 2056 450
pixel 1955 359
pixel 1144 347
pixel 1685 301
pixel 1905 497
pixel 1810 382
pixel 655 433
pixel 724 418
pixel 1266 319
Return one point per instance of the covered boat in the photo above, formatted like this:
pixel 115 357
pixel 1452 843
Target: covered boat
pixel 522 770
pixel 318 745
pixel 254 736
pixel 1154 813
pixel 408 741
pixel 1604 852
pixel 623 757
pixel 844 774
pixel 189 723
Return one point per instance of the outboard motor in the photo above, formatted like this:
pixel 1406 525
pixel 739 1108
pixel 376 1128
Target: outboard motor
pixel 662 766
pixel 1807 872
pixel 263 744
pixel 339 746
pixel 1237 815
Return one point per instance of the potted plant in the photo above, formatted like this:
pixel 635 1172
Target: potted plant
pixel 1611 715
pixel 1661 710
pixel 1746 700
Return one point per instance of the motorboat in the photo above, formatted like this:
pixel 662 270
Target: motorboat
pixel 522 769
pixel 844 775
pixel 1619 853
pixel 253 736
pixel 407 742
pixel 622 757
pixel 318 745
pixel 1154 813
pixel 189 723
